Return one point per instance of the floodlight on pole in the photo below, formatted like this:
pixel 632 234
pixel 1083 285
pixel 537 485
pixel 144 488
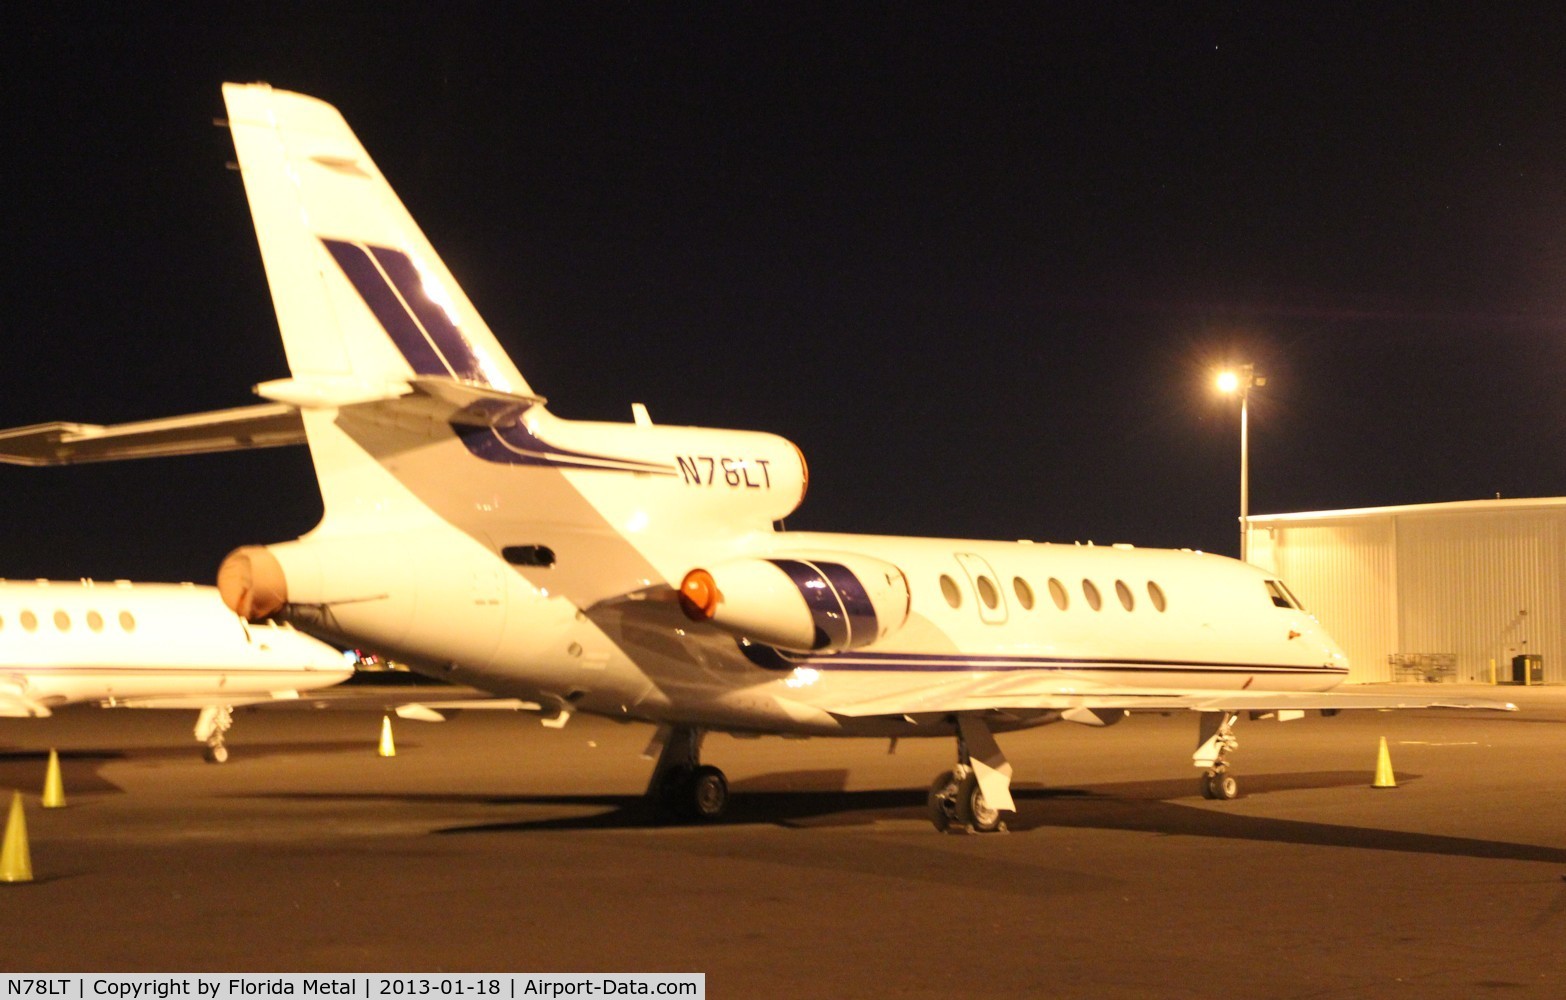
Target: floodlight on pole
pixel 1241 380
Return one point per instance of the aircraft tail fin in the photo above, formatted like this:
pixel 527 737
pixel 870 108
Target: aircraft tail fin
pixel 363 301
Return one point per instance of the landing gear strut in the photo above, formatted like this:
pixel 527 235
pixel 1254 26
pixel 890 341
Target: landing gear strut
pixel 971 796
pixel 1215 741
pixel 682 787
pixel 211 724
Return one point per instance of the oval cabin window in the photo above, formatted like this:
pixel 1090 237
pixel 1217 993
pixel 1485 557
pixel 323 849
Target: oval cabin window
pixel 1024 593
pixel 62 621
pixel 1156 594
pixel 987 592
pixel 1124 593
pixel 29 621
pixel 1057 591
pixel 127 621
pixel 949 590
pixel 1091 593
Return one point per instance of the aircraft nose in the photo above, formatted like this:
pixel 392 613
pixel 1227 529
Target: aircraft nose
pixel 1333 652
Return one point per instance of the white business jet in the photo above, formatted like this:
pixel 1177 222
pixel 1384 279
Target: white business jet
pixel 634 570
pixel 149 645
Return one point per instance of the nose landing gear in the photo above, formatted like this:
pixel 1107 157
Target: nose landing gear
pixel 211 724
pixel 1215 741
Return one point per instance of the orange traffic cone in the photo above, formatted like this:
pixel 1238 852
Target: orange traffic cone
pixel 1384 776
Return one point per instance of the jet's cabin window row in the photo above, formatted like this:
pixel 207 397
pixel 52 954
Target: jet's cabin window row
pixel 62 621
pixel 989 593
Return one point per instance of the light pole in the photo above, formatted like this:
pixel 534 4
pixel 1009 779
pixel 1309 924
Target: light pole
pixel 1240 380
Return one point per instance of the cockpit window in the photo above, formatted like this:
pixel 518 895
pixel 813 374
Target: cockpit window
pixel 1281 596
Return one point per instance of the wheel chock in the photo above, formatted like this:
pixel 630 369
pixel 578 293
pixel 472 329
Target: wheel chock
pixel 54 788
pixel 388 748
pixel 1384 776
pixel 16 861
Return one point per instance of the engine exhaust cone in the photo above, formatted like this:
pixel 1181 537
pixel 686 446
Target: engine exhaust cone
pixel 251 582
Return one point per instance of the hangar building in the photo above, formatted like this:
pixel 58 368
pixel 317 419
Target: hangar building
pixel 1431 591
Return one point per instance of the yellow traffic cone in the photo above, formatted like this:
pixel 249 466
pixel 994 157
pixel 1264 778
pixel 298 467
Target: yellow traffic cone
pixel 16 862
pixel 54 788
pixel 1384 776
pixel 388 748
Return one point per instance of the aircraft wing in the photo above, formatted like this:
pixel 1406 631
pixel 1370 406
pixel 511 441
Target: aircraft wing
pixel 1007 694
pixel 265 425
pixel 273 424
pixel 404 700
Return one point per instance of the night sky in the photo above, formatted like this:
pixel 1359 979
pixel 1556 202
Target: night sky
pixel 976 261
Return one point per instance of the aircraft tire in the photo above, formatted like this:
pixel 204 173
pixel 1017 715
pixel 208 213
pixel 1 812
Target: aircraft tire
pixel 973 811
pixel 1221 787
pixel 215 755
pixel 706 793
pixel 941 802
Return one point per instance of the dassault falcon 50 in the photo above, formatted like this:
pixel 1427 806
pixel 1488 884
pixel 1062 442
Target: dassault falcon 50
pixel 636 570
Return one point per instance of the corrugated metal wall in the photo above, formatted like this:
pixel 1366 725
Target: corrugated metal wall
pixel 1345 573
pixel 1478 583
pixel 1484 586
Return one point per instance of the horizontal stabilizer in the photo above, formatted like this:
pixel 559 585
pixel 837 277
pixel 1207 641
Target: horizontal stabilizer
pixel 266 425
pixel 432 396
pixel 473 403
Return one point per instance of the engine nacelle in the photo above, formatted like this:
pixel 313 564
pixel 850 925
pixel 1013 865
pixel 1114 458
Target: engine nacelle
pixel 827 601
pixel 350 580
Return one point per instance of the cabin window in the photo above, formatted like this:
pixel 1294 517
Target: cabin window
pixel 1281 597
pixel 127 621
pixel 95 621
pixel 1057 590
pixel 1124 593
pixel 1091 593
pixel 1024 593
pixel 987 592
pixel 528 555
pixel 1156 594
pixel 950 591
pixel 62 621
pixel 29 621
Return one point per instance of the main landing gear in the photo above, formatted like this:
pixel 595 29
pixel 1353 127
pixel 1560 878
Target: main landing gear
pixel 1214 742
pixel 211 724
pixel 971 796
pixel 682 787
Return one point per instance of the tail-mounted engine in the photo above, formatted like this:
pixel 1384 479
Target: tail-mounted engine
pixel 828 602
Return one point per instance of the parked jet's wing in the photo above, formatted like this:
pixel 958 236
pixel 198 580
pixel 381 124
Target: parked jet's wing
pixel 266 425
pixel 1046 694
pixel 407 701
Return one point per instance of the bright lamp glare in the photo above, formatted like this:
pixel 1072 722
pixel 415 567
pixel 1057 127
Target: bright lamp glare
pixel 1228 381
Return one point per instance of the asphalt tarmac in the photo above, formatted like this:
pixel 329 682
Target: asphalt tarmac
pixel 492 844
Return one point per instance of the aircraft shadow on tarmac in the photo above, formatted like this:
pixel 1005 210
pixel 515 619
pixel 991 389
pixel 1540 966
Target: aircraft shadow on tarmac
pixel 81 770
pixel 1168 808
